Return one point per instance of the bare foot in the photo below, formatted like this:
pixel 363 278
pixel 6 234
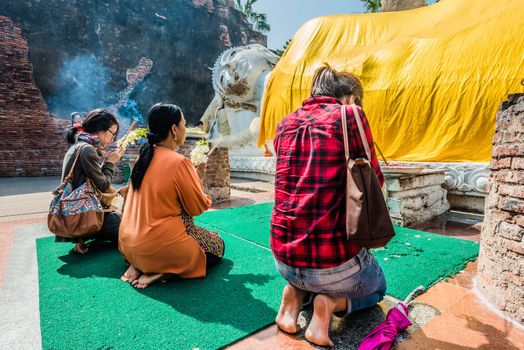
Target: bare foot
pixel 131 274
pixel 80 247
pixel 292 299
pixel 145 280
pixel 323 308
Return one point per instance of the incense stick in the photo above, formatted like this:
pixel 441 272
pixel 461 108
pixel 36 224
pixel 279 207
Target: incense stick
pixel 128 132
pixel 379 151
pixel 215 145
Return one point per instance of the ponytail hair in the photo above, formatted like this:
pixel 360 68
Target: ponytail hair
pixel 329 82
pixel 97 120
pixel 161 117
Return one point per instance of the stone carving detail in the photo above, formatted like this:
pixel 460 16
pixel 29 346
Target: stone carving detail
pixel 239 77
pixel 461 178
pixel 263 165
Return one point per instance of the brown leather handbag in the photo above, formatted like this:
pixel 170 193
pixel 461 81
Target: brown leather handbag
pixel 367 217
pixel 75 213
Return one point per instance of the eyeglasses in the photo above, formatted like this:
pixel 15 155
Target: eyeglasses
pixel 113 134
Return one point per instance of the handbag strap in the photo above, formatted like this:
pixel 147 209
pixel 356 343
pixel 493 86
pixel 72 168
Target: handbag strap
pixel 345 133
pixel 71 171
pixel 360 131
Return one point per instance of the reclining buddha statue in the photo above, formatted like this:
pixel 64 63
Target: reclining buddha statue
pixel 239 77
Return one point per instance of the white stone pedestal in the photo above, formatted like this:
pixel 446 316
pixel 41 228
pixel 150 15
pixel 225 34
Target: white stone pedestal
pixel 416 197
pixel 411 198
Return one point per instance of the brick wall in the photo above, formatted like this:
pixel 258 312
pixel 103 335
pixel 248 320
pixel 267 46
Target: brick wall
pixel 31 141
pixel 501 269
pixel 217 180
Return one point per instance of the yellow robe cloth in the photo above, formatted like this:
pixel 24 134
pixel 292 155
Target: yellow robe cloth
pixel 433 77
pixel 152 235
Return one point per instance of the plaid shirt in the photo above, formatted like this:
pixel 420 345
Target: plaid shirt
pixel 308 221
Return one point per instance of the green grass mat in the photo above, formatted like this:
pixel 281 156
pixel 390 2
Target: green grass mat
pixel 251 222
pixel 84 305
pixel 410 259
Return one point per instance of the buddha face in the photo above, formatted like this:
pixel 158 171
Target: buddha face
pixel 237 71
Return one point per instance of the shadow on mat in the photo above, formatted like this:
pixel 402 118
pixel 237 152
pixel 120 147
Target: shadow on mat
pixel 102 260
pixel 221 297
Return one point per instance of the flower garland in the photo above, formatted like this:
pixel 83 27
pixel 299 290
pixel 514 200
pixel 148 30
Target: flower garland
pixel 199 154
pixel 136 136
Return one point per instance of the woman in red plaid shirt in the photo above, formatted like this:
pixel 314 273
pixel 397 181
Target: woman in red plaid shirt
pixel 308 236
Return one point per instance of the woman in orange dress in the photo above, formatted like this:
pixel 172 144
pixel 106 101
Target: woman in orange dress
pixel 157 235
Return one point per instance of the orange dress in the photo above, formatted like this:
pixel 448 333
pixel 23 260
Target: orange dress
pixel 152 235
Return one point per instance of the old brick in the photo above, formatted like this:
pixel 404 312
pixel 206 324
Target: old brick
pixel 519 220
pixel 503 123
pixel 517 125
pixel 510 150
pixel 512 190
pixel 493 198
pixel 497 138
pixel 502 163
pixel 485 278
pixel 501 215
pixel 217 180
pixel 517 247
pixel 512 136
pixel 71 25
pixel 517 164
pixel 511 204
pixel 31 140
pixel 511 231
pixel 509 176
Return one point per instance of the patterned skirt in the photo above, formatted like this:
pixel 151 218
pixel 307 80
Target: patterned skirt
pixel 209 241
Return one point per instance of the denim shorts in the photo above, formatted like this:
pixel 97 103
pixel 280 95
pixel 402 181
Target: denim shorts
pixel 360 280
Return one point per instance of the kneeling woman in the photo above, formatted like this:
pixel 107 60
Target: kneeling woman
pixel 157 235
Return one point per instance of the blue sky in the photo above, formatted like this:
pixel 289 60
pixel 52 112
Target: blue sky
pixel 286 16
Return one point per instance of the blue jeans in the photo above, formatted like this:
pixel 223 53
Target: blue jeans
pixel 360 280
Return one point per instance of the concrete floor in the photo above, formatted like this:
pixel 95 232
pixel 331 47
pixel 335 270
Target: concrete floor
pixel 451 315
pixel 10 186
